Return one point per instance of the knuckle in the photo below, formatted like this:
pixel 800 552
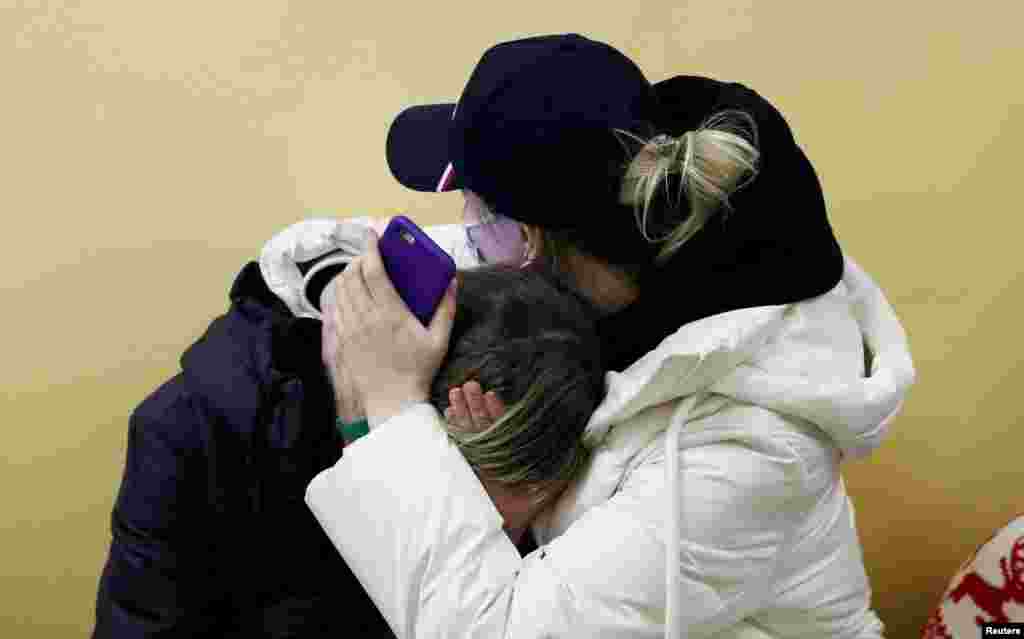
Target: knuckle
pixel 372 269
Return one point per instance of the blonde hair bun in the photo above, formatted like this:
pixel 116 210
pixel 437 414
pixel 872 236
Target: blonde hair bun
pixel 710 164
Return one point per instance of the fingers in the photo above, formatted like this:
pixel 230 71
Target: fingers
pixel 380 224
pixel 473 409
pixel 328 338
pixel 377 282
pixel 341 310
pixel 475 400
pixel 486 407
pixel 458 411
pixel 441 324
pixel 495 407
pixel 356 291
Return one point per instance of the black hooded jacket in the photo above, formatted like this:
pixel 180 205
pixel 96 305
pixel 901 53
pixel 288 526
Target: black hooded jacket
pixel 211 534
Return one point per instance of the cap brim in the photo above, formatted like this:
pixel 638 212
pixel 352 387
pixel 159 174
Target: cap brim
pixel 417 148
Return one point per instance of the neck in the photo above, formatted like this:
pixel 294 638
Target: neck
pixel 608 287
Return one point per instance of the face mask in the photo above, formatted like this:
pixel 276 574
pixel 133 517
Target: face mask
pixel 494 238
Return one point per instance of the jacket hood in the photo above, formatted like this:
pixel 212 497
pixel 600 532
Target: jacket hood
pixel 839 361
pixel 249 351
pixel 772 357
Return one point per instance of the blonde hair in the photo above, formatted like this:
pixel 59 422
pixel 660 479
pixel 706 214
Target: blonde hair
pixel 497 453
pixel 711 162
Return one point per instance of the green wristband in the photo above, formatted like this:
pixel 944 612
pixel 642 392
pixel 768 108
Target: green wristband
pixel 351 431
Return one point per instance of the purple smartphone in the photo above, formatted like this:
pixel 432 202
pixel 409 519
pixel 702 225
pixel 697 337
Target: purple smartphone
pixel 419 269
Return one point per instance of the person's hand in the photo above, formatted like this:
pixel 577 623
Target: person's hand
pixel 380 224
pixel 390 357
pixel 471 409
pixel 346 399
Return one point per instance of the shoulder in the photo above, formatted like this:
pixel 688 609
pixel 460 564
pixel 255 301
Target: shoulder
pixel 738 506
pixel 689 100
pixel 165 420
pixel 745 469
pixel 737 486
pixel 243 351
pixel 224 371
pixel 229 374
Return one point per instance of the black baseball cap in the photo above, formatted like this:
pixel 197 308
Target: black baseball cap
pixel 532 132
pixel 532 135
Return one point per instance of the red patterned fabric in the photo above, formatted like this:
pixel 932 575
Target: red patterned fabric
pixel 988 587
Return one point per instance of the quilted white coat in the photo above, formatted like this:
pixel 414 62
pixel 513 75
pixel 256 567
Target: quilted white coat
pixel 723 444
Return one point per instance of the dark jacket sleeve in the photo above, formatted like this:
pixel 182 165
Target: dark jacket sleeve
pixel 211 535
pixel 157 581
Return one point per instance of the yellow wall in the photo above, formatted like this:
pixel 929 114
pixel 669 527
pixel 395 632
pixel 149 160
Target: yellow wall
pixel 148 149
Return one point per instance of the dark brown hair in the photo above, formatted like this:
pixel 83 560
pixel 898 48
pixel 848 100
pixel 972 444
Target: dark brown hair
pixel 529 337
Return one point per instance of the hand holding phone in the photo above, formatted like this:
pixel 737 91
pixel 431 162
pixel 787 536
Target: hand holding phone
pixel 419 269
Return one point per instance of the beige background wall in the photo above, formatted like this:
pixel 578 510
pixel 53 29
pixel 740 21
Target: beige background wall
pixel 147 150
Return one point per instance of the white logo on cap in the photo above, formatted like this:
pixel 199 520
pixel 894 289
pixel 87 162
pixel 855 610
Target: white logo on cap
pixel 442 184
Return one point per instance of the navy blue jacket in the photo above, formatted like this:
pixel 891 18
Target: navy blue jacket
pixel 211 535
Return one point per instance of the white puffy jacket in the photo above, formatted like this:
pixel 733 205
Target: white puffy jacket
pixel 324 242
pixel 755 409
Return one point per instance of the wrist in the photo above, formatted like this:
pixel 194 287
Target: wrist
pixel 346 404
pixel 351 431
pixel 348 411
